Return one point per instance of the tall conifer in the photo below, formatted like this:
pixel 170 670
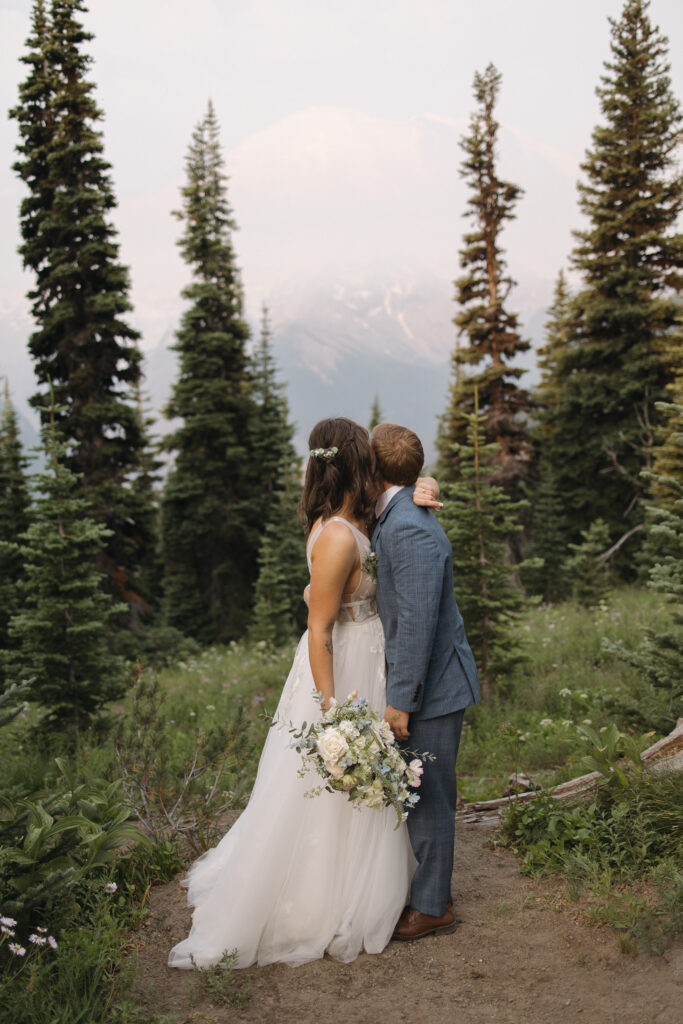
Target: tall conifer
pixel 279 610
pixel 14 519
pixel 630 258
pixel 488 335
pixel 82 346
pixel 479 518
pixel 209 527
pixel 60 636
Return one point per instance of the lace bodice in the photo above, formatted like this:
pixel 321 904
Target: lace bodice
pixel 359 605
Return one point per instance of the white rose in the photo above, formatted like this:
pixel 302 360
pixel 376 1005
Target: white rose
pixel 332 746
pixel 348 729
pixel 335 770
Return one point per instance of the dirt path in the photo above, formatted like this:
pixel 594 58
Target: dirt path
pixel 520 955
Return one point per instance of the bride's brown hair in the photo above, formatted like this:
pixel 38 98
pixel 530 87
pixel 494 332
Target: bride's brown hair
pixel 347 480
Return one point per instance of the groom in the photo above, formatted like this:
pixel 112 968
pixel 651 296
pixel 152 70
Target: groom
pixel 431 674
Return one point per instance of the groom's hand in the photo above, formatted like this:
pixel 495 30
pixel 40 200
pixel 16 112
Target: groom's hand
pixel 398 720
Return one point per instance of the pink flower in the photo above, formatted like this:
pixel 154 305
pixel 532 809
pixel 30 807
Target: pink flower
pixel 416 767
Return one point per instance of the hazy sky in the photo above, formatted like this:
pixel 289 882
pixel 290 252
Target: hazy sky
pixel 298 86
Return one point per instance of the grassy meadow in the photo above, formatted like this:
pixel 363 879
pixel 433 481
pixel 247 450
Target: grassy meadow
pixel 182 750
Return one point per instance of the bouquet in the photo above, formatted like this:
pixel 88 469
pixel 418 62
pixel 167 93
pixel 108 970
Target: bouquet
pixel 355 753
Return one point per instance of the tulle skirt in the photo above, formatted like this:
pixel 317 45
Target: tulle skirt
pixel 297 877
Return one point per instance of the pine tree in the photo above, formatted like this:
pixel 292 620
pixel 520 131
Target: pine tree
pixel 549 515
pixel 376 414
pixel 659 656
pixel 14 519
pixel 209 530
pixel 60 633
pixel 630 258
pixel 279 611
pixel 587 570
pixel 479 518
pixel 82 346
pixel 271 621
pixel 489 330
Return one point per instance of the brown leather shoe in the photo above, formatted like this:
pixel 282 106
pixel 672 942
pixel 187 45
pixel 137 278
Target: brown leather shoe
pixel 413 924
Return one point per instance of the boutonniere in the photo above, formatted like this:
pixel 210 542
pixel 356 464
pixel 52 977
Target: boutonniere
pixel 369 565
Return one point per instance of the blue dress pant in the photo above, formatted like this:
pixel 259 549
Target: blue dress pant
pixel 431 822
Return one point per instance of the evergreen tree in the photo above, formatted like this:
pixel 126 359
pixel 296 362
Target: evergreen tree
pixel 82 346
pixel 586 570
pixel 630 258
pixel 479 517
pixel 271 444
pixel 376 414
pixel 659 656
pixel 60 633
pixel 487 328
pixel 549 518
pixel 209 529
pixel 279 610
pixel 668 455
pixel 14 519
pixel 271 620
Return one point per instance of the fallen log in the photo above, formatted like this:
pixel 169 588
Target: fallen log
pixel 664 755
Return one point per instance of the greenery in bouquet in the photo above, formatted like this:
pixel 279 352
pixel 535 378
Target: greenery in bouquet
pixel 355 753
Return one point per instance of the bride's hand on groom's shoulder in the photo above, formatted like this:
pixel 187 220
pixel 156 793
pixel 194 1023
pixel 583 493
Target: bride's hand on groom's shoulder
pixel 426 493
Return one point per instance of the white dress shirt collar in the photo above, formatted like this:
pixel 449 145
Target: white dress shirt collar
pixel 385 498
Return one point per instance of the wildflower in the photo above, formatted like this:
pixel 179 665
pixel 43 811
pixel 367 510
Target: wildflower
pixel 111 887
pixel 567 722
pixel 192 714
pixel 41 930
pixel 37 940
pixel 18 950
pixel 603 728
pixel 7 931
pixel 565 692
pixel 51 941
pixel 545 722
pixel 210 707
pixel 583 696
pixel 587 721
pixel 8 922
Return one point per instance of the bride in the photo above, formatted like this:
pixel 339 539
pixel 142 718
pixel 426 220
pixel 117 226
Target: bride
pixel 299 877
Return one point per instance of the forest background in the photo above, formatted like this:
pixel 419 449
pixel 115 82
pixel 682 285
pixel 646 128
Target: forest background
pixel 143 576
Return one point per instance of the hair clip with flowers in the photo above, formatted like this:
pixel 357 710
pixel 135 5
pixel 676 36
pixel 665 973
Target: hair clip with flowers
pixel 324 453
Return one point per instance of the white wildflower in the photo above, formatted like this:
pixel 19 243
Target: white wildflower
pixel 565 692
pixel 15 948
pixel 37 940
pixel 8 922
pixel 588 721
pixel 567 722
pixel 51 941
pixel 41 930
pixel 583 696
pixel 545 722
pixel 210 707
pixel 7 931
pixel 111 887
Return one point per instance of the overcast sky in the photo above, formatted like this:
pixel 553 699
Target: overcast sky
pixel 297 84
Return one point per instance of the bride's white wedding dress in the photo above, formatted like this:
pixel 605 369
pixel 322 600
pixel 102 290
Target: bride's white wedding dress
pixel 297 877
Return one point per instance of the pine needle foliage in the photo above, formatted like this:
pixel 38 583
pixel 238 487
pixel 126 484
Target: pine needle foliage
pixel 586 570
pixel 488 335
pixel 60 633
pixel 82 347
pixel 376 414
pixel 14 519
pixel 660 653
pixel 630 257
pixel 208 533
pixel 479 518
pixel 279 608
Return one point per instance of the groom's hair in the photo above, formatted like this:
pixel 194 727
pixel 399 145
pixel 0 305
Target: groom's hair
pixel 398 452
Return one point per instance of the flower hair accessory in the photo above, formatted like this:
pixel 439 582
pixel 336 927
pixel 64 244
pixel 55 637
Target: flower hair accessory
pixel 324 453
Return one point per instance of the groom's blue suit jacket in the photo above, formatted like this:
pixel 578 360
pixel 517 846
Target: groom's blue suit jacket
pixel 430 667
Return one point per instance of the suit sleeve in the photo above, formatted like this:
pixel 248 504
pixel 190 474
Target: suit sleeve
pixel 416 564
